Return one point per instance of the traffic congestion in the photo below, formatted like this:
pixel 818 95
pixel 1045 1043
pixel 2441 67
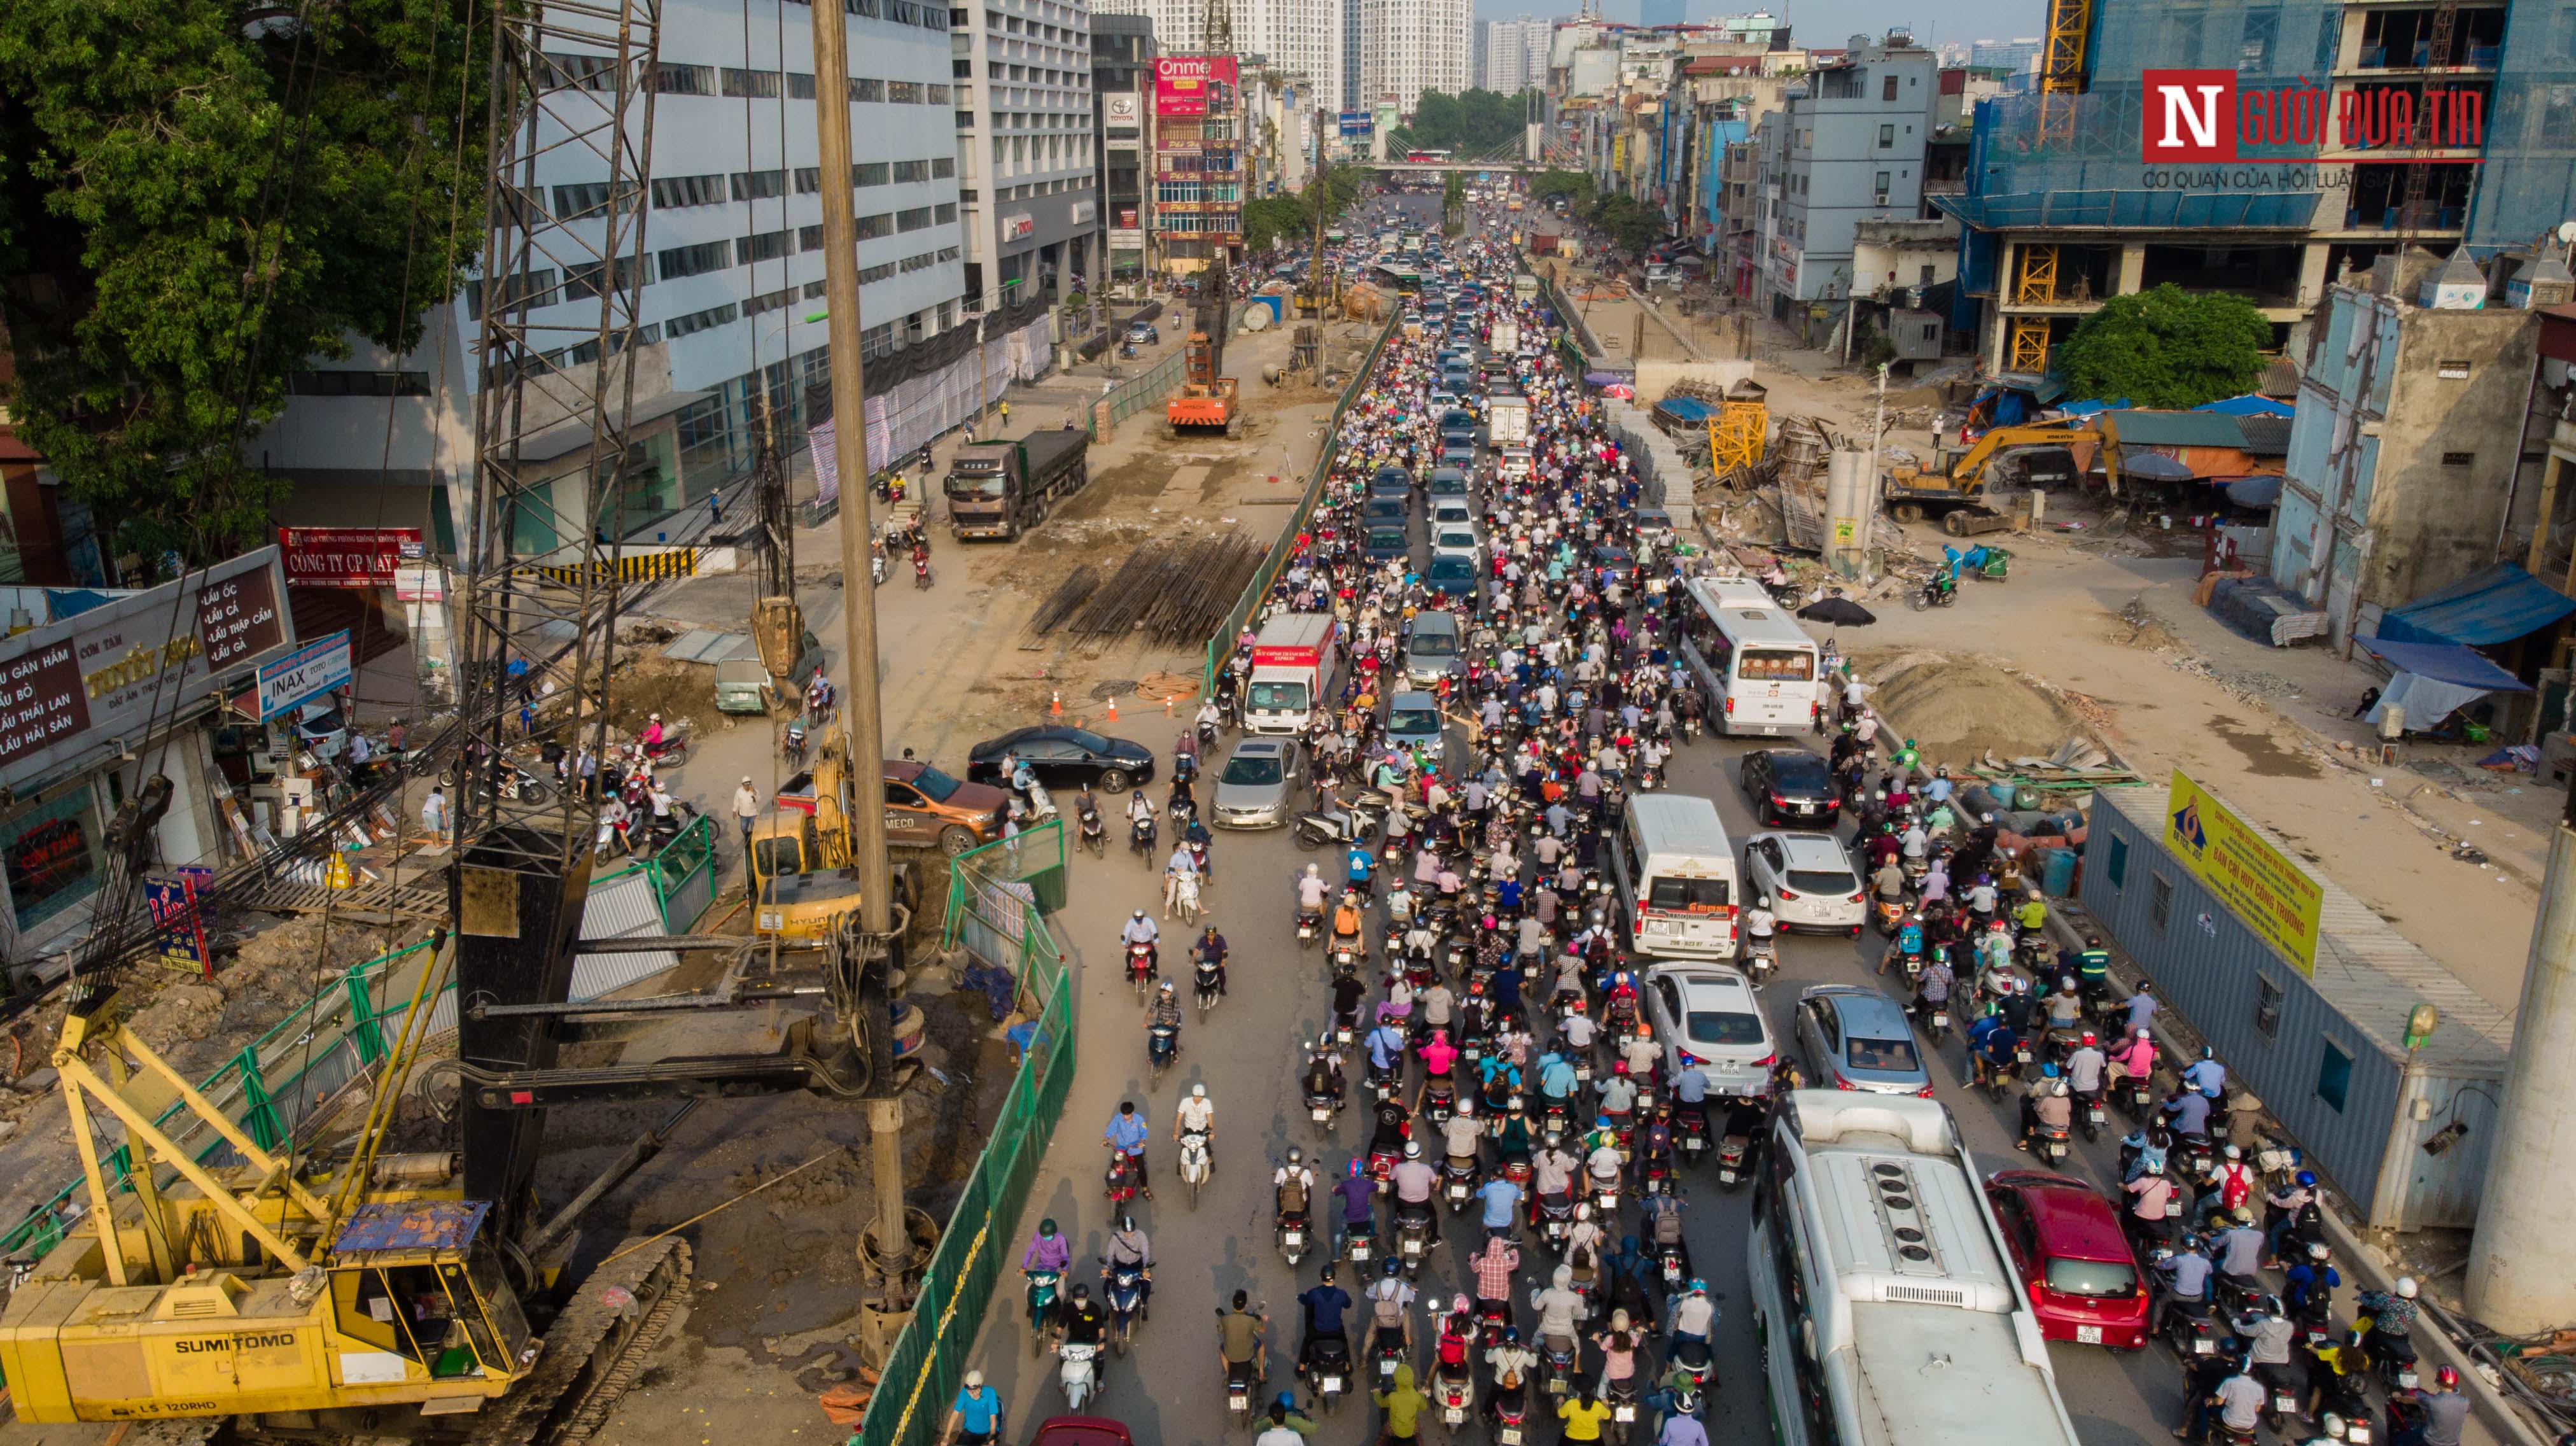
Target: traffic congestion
pixel 1605 1029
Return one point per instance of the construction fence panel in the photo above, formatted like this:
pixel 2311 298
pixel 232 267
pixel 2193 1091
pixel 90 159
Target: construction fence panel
pixel 1221 645
pixel 1137 393
pixel 929 1358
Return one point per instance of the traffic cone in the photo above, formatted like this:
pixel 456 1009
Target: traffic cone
pixel 1113 710
pixel 1055 708
pixel 1167 705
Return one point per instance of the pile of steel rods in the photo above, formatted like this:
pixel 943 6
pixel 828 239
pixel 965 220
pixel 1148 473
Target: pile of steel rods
pixel 1175 590
pixel 1069 595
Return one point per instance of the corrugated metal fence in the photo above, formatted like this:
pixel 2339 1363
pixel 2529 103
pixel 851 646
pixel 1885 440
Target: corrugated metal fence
pixel 2325 1055
pixel 929 1358
pixel 298 1069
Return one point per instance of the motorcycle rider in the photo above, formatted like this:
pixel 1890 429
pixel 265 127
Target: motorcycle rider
pixel 2184 1275
pixel 1413 1179
pixel 1084 1322
pixel 1128 1246
pixel 1512 1364
pixel 1347 924
pixel 2044 1106
pixel 2150 1193
pixel 1127 1134
pixel 1196 1112
pixel 2236 1402
pixel 1559 1306
pixel 1142 930
pixel 1390 1303
pixel 1312 892
pixel 1322 1308
pixel 1241 1336
pixel 1358 1194
pixel 1210 949
pixel 1692 1317
pixel 1048 1252
pixel 2206 1075
pixel 1292 1186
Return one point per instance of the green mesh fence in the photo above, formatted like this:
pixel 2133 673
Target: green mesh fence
pixel 1221 645
pixel 929 1358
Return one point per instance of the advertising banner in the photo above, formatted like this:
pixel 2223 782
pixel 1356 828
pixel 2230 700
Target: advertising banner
pixel 2261 885
pixel 1183 83
pixel 303 675
pixel 138 660
pixel 1355 123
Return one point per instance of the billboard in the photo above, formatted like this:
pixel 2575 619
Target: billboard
pixel 1184 84
pixel 69 688
pixel 2275 897
pixel 346 556
pixel 1355 123
pixel 303 675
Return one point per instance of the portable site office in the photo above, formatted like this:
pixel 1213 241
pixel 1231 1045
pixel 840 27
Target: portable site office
pixel 2403 1133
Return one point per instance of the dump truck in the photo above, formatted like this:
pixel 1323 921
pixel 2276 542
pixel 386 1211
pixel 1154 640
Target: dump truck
pixel 1954 489
pixel 997 489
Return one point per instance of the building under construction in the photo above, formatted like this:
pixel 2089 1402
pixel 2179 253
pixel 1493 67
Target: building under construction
pixel 2353 126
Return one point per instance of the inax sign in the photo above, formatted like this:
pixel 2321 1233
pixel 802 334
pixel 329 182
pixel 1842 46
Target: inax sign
pixel 2202 117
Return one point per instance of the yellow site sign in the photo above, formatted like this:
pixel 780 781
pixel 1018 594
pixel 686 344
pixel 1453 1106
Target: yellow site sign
pixel 2263 887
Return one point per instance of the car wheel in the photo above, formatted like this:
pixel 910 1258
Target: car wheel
pixel 1114 780
pixel 956 839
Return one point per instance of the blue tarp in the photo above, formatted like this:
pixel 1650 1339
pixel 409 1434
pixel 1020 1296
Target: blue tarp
pixel 2096 407
pixel 2496 605
pixel 2248 405
pixel 2253 491
pixel 2446 663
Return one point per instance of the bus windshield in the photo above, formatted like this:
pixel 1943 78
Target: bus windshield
pixel 1687 895
pixel 1775 665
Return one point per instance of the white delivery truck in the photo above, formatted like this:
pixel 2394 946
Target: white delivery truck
pixel 1292 664
pixel 1506 340
pixel 1507 421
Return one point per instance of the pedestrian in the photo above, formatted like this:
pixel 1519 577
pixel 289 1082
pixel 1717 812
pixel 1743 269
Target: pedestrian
pixel 976 1418
pixel 1006 414
pixel 433 814
pixel 746 811
pixel 715 508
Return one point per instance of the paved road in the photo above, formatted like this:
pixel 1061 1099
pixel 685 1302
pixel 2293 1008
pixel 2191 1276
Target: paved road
pixel 1168 1391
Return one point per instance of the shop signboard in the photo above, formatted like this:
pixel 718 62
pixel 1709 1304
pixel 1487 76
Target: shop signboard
pixel 1185 84
pixel 136 662
pixel 346 556
pixel 1355 122
pixel 303 675
pixel 2277 899
pixel 181 943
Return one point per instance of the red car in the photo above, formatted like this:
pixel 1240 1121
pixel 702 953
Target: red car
pixel 2085 1283
pixel 1081 1431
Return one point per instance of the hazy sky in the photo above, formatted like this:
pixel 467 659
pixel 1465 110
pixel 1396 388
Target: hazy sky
pixel 1829 22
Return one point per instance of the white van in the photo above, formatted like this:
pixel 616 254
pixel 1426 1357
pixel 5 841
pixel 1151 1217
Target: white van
pixel 1674 870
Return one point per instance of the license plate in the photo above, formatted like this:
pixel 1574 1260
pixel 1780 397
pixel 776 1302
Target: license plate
pixel 1412 1247
pixel 768 920
pixel 2088 1335
pixel 1727 1176
pixel 1556 1385
pixel 2204 1347
pixel 1509 1436
pixel 1293 1239
pixel 1453 1415
pixel 2406 1379
pixel 1323 1116
pixel 1806 808
pixel 1332 1383
pixel 1623 1414
pixel 1940 1020
pixel 2283 1403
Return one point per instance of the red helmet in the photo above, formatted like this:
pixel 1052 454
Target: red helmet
pixel 2088 1037
pixel 2446 1378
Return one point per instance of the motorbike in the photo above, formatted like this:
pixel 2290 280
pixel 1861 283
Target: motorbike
pixel 1293 1229
pixel 1322 1107
pixel 1238 1392
pixel 2190 1331
pixel 1123 1291
pixel 1605 1196
pixel 1094 837
pixel 876 570
pixel 1079 1373
pixel 1140 838
pixel 1340 829
pixel 921 573
pixel 1941 592
pixel 1555 1219
pixel 1206 978
pixel 1041 1289
pixel 1196 1163
pixel 1458 1181
pixel 792 748
pixel 1359 1241
pixel 1557 1358
pixel 2091 1115
pixel 2050 1142
pixel 1384 1356
pixel 1439 1100
pixel 1511 1419
pixel 1140 968
pixel 1761 959
pixel 1412 1235
pixel 1347 954
pixel 1690 1133
pixel 1161 1043
pixel 1119 1183
pixel 1329 1366
pixel 1693 1360
pixel 1622 1396
pixel 1310 926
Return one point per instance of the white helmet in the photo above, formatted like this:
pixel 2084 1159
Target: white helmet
pixel 1311 872
pixel 2405 1287
pixel 1198 1092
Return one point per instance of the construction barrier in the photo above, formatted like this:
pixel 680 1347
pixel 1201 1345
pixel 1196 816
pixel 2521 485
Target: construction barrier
pixel 1221 646
pixel 980 1241
pixel 1151 389
pixel 633 564
pixel 289 1075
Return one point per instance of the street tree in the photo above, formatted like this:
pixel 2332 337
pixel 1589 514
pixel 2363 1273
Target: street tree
pixel 2166 347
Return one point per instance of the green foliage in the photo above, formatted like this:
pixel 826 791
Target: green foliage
pixel 142 145
pixel 1290 220
pixel 1871 349
pixel 1632 227
pixel 1478 123
pixel 2166 348
pixel 1574 185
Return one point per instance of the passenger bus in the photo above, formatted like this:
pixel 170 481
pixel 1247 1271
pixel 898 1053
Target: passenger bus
pixel 1761 671
pixel 1673 868
pixel 1403 280
pixel 1888 1311
pixel 1426 157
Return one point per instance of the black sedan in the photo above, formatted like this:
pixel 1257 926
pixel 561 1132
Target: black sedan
pixel 1063 758
pixel 1790 788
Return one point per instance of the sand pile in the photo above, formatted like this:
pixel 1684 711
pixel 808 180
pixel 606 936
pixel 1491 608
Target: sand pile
pixel 1959 707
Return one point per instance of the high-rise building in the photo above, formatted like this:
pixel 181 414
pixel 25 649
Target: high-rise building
pixel 1026 145
pixel 1513 54
pixel 1410 46
pixel 1300 37
pixel 1477 73
pixel 2008 54
pixel 1122 89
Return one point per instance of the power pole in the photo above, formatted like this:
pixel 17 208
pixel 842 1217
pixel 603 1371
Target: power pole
pixel 865 816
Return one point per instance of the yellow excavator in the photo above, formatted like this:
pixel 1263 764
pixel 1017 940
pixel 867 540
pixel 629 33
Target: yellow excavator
pixel 2029 456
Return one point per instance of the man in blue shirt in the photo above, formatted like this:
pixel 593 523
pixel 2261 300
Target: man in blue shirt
pixel 2141 1010
pixel 1386 1046
pixel 1991 1044
pixel 977 1415
pixel 1127 1134
pixel 1362 862
pixel 1323 1307
pixel 2188 1114
pixel 1501 1199
pixel 1555 1078
pixel 2206 1074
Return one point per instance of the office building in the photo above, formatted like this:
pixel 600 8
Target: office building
pixel 1304 38
pixel 1846 146
pixel 1122 89
pixel 733 284
pixel 1513 54
pixel 1027 143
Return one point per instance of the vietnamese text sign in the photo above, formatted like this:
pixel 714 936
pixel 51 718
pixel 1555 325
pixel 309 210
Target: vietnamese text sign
pixel 172 900
pixel 2261 885
pixel 345 556
pixel 307 673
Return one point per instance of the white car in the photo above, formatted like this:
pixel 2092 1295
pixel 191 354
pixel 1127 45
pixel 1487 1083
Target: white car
pixel 1707 1014
pixel 1451 512
pixel 1456 540
pixel 1808 879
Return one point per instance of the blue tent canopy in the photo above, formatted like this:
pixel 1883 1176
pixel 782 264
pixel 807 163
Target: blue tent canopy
pixel 2248 405
pixel 2446 663
pixel 2496 605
